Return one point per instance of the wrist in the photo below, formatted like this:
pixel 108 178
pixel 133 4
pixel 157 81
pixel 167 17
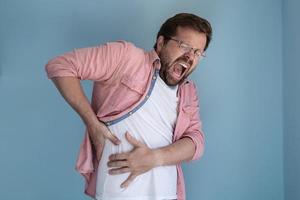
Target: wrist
pixel 158 157
pixel 94 129
pixel 91 121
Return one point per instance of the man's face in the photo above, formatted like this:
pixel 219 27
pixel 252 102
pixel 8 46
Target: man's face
pixel 177 62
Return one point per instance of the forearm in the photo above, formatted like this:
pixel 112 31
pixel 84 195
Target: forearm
pixel 70 88
pixel 175 153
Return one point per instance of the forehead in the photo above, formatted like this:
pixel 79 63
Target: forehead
pixel 192 37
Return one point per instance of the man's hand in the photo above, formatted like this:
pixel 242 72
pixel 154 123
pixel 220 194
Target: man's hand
pixel 70 88
pixel 140 160
pixel 98 132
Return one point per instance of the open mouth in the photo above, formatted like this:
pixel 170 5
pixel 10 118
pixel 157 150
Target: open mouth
pixel 179 69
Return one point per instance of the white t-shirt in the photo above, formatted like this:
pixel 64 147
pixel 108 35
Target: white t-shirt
pixel 153 124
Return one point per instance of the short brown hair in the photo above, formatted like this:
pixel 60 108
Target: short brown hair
pixel 168 29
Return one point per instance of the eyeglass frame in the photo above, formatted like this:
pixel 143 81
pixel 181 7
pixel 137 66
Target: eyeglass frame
pixel 187 48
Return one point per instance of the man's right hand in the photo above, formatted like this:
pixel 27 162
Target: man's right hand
pixel 98 132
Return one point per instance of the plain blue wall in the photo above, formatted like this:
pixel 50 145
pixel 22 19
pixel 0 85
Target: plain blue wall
pixel 240 88
pixel 291 77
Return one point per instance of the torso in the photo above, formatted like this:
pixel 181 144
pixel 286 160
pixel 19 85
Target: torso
pixel 153 124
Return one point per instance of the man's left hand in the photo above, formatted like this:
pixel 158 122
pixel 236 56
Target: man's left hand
pixel 138 161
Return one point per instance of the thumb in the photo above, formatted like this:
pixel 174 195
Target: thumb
pixel 132 140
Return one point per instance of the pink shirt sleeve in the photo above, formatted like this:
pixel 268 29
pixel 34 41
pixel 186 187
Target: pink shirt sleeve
pixel 92 63
pixel 194 131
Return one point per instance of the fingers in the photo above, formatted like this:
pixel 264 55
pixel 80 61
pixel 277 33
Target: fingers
pixel 119 170
pixel 99 132
pixel 112 138
pixel 132 140
pixel 109 135
pixel 118 156
pixel 119 163
pixel 128 180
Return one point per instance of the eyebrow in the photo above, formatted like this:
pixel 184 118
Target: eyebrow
pixel 190 45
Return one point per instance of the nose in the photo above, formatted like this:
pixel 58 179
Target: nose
pixel 190 56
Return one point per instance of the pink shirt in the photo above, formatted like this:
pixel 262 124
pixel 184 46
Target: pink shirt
pixel 120 69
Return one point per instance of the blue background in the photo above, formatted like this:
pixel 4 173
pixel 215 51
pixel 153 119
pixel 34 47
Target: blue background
pixel 291 94
pixel 248 85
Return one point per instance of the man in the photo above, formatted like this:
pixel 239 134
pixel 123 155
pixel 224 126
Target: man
pixel 143 121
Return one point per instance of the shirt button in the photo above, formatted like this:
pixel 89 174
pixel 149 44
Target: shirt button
pixel 108 123
pixel 147 96
pixel 154 77
pixel 130 113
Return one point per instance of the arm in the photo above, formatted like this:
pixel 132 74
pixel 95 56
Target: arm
pixel 95 63
pixel 190 146
pixel 175 153
pixel 70 88
pixel 141 159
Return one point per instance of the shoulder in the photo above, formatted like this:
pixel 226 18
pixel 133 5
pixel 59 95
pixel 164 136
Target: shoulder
pixel 134 55
pixel 189 85
pixel 126 45
pixel 189 91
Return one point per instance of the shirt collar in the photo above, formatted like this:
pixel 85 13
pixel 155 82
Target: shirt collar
pixel 154 59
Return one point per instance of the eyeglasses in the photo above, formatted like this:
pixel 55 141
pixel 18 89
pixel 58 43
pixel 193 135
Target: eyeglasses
pixel 187 48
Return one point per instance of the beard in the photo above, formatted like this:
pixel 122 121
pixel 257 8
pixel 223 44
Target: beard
pixel 174 72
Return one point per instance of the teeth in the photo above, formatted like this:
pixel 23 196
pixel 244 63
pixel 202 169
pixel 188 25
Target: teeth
pixel 183 65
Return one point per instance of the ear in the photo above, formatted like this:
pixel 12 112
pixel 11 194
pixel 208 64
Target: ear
pixel 159 43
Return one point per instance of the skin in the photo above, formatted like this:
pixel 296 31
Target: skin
pixel 170 53
pixel 141 159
